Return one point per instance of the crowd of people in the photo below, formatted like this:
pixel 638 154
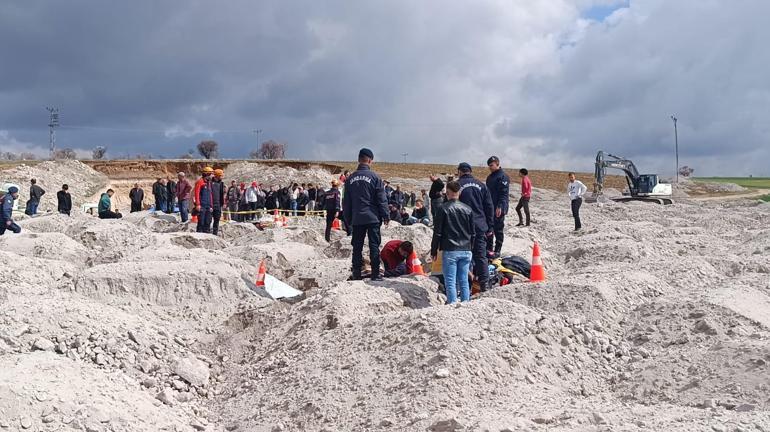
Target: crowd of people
pixel 467 215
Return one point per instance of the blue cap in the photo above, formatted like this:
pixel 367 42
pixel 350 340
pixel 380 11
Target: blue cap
pixel 464 167
pixel 13 189
pixel 366 152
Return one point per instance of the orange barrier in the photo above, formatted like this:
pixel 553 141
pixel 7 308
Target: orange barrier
pixel 537 271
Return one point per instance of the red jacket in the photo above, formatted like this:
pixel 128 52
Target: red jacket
pixel 183 190
pixel 392 258
pixel 526 187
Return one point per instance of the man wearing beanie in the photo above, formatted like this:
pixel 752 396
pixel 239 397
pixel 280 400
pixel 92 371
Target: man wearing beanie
pixel 6 215
pixel 365 208
pixel 476 195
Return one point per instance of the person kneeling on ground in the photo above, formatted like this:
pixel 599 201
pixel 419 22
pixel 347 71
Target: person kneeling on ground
pixel 6 216
pixel 105 205
pixel 395 256
pixel 453 233
pixel 419 214
pixel 394 214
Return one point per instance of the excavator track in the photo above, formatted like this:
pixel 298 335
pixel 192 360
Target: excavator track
pixel 653 200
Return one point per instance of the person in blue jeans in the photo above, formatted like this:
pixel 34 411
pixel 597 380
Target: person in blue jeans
pixel 453 234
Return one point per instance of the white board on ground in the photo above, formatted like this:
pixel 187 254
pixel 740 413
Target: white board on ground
pixel 278 289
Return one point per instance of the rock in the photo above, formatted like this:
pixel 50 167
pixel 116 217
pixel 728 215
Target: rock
pixel 386 422
pixel 150 382
pixel 450 424
pixel 26 423
pixel 706 327
pixel 132 336
pixel 193 371
pixel 184 397
pixel 745 408
pixel 195 424
pixel 565 341
pixel 166 396
pixel 599 419
pixel 709 403
pixel 179 385
pixel 100 360
pixel 43 344
pixel 442 373
pixel 718 428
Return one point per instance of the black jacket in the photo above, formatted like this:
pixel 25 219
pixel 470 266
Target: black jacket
pixel 498 184
pixel 64 201
pixel 435 189
pixel 136 195
pixel 453 229
pixel 160 191
pixel 364 202
pixel 218 193
pixel 420 213
pixel 35 192
pixel 475 194
pixel 397 198
pixel 332 200
pixel 171 190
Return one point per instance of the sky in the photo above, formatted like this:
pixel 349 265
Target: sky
pixel 542 84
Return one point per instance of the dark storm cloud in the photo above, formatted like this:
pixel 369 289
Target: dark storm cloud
pixel 442 81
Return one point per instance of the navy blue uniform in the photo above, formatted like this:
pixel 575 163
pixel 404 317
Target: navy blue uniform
pixel 218 198
pixel 498 184
pixel 6 216
pixel 365 207
pixel 332 207
pixel 475 194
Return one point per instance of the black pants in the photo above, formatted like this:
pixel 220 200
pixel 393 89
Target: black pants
pixel 12 227
pixel 480 261
pixel 216 215
pixel 359 233
pixel 170 205
pixel 576 203
pixel 109 215
pixel 136 206
pixel 523 204
pixel 204 221
pixel 498 228
pixel 330 216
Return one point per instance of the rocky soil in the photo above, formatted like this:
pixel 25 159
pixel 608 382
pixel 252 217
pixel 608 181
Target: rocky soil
pixel 653 318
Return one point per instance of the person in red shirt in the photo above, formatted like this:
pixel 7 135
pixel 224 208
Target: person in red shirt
pixel 395 257
pixel 526 194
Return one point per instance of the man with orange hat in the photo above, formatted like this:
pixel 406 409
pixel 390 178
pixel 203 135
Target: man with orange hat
pixel 218 196
pixel 204 200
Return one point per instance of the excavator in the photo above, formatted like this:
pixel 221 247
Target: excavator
pixel 641 187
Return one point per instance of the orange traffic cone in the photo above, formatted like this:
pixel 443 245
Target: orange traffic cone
pixel 416 264
pixel 261 274
pixel 277 218
pixel 336 224
pixel 284 220
pixel 194 218
pixel 537 271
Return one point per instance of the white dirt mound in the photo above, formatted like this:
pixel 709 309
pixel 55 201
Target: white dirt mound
pixel 83 181
pixel 277 176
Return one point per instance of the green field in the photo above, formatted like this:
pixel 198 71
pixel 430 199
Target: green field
pixel 748 182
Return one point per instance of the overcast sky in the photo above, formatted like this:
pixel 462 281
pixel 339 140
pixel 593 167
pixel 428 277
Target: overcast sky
pixel 541 83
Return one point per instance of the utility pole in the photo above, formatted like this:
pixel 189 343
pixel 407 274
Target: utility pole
pixel 676 147
pixel 404 155
pixel 257 132
pixel 53 123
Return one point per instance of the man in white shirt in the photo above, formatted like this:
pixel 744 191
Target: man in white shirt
pixel 251 199
pixel 576 190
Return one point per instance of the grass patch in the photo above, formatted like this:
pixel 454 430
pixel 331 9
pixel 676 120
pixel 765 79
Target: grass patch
pixel 747 182
pixel 765 198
